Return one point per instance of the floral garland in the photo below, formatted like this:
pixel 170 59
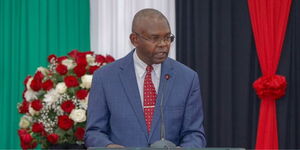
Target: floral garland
pixel 55 100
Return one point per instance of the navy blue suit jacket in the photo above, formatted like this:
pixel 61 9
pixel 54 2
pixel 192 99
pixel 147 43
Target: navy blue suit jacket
pixel 115 113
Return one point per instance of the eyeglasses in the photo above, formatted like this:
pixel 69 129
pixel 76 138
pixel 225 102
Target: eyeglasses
pixel 157 39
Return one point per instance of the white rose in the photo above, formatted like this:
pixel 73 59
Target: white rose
pixel 24 122
pixel 84 102
pixel 95 64
pixel 69 63
pixel 28 83
pixel 51 96
pixel 90 59
pixel 86 81
pixel 61 87
pixel 78 115
pixel 32 111
pixel 43 70
pixel 30 95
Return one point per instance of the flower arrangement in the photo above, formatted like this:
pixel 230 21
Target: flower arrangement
pixel 55 100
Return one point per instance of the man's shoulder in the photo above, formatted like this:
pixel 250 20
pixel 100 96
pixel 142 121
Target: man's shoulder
pixel 180 68
pixel 111 68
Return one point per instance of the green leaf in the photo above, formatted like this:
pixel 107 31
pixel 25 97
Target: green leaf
pixel 60 132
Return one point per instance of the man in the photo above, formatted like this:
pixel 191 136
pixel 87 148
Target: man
pixel 125 98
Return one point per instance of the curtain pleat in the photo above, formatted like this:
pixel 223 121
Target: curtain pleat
pixel 269 20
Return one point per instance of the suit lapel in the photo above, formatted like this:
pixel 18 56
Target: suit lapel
pixel 128 79
pixel 164 91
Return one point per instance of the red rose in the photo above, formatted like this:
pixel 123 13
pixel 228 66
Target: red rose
pixel 73 53
pixel 61 69
pixel 28 145
pixel 47 85
pixel 36 84
pixel 60 59
pixel 83 54
pixel 50 57
pixel 53 138
pixel 79 133
pixel 26 138
pixel 37 105
pixel 64 122
pixel 24 108
pixel 26 80
pixel 79 70
pixel 38 76
pixel 81 61
pixel 22 131
pixel 67 106
pixel 109 59
pixel 71 81
pixel 37 127
pixel 100 59
pixel 92 69
pixel 81 94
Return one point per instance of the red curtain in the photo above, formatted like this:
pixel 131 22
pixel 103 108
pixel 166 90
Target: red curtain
pixel 269 20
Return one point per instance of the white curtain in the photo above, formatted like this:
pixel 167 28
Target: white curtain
pixel 111 23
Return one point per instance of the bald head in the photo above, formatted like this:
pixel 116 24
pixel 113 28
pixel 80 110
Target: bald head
pixel 150 29
pixel 148 15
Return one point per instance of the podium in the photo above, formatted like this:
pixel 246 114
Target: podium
pixel 148 148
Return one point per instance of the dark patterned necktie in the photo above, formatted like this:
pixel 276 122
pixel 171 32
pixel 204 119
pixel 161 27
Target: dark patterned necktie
pixel 149 98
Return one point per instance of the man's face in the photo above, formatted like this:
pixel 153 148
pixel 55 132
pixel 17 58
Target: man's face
pixel 150 40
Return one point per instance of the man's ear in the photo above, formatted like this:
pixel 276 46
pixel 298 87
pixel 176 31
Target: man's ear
pixel 133 39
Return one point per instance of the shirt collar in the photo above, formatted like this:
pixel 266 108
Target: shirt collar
pixel 140 66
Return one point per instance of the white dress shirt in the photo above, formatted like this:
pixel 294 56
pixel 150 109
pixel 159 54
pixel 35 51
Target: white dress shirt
pixel 140 73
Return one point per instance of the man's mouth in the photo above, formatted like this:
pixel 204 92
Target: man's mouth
pixel 161 54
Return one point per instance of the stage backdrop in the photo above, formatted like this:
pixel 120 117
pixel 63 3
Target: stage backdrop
pixel 215 38
pixel 30 30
